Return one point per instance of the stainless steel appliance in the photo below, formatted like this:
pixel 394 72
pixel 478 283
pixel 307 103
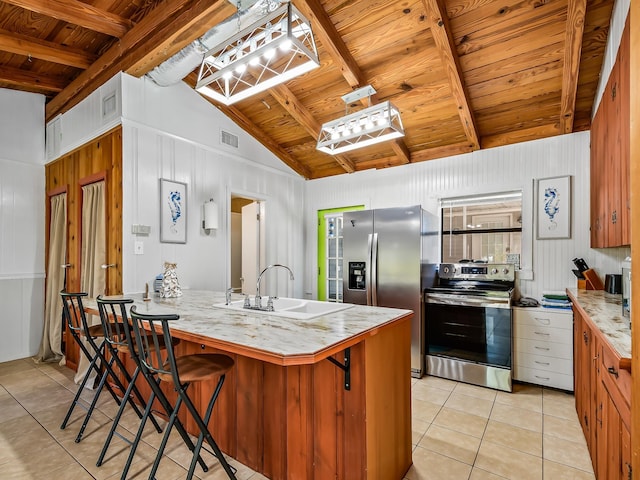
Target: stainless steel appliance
pixel 384 252
pixel 469 324
pixel 626 289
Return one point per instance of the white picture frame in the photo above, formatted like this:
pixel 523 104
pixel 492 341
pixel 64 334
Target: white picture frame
pixel 553 207
pixel 173 211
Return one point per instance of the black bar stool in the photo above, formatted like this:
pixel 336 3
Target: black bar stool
pixel 74 315
pixel 152 331
pixel 117 334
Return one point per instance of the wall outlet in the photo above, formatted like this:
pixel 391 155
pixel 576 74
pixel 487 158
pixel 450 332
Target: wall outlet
pixel 138 248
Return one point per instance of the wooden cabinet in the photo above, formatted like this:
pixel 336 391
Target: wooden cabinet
pixel 543 347
pixel 610 157
pixel 586 376
pixel 603 394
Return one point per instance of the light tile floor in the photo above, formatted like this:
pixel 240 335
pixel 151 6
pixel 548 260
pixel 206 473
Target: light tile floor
pixel 464 432
pixel 459 432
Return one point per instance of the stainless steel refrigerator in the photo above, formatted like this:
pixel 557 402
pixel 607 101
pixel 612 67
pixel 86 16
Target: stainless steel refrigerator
pixel 386 253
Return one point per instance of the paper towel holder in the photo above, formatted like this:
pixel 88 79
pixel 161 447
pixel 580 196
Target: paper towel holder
pixel 210 215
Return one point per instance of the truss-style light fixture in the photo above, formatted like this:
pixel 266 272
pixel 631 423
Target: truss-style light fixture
pixel 277 48
pixel 374 124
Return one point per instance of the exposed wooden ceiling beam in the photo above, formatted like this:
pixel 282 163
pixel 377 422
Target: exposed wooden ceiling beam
pixel 572 51
pixel 30 80
pixel 331 40
pixel 179 36
pixel 49 51
pixel 78 13
pixel 326 31
pixel 441 152
pixel 441 31
pixel 524 135
pixel 145 36
pixel 303 116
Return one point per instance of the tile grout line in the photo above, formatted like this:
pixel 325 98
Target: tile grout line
pixel 75 460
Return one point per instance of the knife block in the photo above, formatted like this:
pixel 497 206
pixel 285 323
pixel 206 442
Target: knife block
pixel 591 281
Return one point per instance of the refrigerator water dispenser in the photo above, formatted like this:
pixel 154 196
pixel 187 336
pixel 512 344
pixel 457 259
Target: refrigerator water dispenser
pixel 357 272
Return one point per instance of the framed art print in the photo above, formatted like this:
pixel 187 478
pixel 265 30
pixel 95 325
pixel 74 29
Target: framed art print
pixel 553 207
pixel 173 211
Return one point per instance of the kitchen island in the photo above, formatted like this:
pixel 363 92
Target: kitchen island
pixel 286 410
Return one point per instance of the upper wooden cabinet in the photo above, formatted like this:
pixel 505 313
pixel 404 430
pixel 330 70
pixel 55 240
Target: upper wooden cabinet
pixel 610 157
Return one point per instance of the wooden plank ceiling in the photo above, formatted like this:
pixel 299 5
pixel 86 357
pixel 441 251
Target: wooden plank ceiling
pixel 465 74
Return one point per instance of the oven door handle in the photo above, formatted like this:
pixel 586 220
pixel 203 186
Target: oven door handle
pixel 374 270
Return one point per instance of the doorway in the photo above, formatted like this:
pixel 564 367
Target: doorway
pixel 330 253
pixel 246 236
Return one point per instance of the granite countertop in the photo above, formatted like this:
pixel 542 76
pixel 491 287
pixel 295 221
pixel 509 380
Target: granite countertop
pixel 605 311
pixel 280 340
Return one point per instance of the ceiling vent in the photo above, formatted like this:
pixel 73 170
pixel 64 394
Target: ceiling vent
pixel 229 139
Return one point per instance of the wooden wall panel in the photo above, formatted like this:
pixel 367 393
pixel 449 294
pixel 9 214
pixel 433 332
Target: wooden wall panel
pixel 325 392
pixel 299 443
pixel 275 420
pixel 102 156
pixel 250 428
pixel 389 416
pixel 353 436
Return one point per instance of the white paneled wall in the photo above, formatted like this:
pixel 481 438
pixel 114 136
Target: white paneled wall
pixel 172 133
pixel 22 200
pixel 513 167
pixel 93 116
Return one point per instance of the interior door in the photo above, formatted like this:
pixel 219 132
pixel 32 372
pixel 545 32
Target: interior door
pixel 252 245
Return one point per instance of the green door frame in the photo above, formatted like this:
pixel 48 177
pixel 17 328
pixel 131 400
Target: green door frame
pixel 322 248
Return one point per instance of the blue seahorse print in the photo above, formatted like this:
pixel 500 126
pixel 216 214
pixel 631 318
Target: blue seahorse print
pixel 551 205
pixel 175 207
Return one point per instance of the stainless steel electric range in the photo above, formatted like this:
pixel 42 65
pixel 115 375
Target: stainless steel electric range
pixel 468 324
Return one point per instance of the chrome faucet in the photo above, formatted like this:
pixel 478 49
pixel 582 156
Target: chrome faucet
pixel 229 292
pixel 258 300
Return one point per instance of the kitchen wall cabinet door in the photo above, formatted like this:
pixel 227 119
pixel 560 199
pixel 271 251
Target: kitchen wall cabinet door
pixel 610 157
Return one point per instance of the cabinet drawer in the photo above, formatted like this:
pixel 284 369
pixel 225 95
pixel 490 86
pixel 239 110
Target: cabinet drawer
pixel 543 347
pixel 547 379
pixel 542 333
pixel 619 377
pixel 541 317
pixel 548 364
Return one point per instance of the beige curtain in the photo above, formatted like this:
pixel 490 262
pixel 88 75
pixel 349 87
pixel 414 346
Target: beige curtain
pixel 93 256
pixel 51 346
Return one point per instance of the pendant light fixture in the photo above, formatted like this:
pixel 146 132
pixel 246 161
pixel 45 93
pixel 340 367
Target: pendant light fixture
pixel 277 48
pixel 374 124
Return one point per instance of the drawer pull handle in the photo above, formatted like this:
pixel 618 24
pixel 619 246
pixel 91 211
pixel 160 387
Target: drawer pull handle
pixel 546 349
pixel 541 363
pixel 542 333
pixel 544 321
pixel 612 371
pixel 542 378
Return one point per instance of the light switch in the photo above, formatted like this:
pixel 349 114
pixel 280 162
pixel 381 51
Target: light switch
pixel 138 248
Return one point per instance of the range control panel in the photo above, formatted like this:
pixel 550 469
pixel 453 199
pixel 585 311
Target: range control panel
pixel 477 271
